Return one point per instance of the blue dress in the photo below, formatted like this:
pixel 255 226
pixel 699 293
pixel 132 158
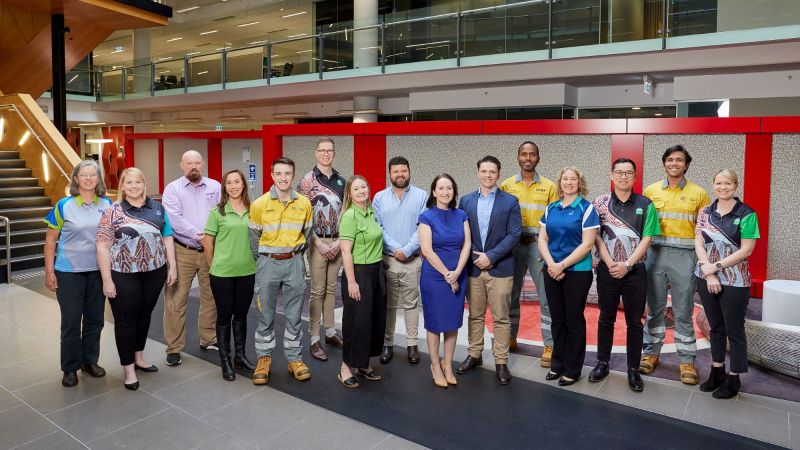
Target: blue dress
pixel 442 309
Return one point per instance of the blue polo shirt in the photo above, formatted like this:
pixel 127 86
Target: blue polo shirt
pixel 565 225
pixel 77 221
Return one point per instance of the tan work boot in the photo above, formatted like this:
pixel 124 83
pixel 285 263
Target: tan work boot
pixel 547 356
pixel 648 363
pixel 688 373
pixel 261 374
pixel 300 370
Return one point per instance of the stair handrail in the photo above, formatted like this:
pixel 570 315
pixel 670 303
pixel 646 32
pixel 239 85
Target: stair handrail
pixel 7 222
pixel 14 108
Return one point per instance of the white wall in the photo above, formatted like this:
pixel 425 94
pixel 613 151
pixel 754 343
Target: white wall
pixel 232 159
pixel 146 158
pixel 174 149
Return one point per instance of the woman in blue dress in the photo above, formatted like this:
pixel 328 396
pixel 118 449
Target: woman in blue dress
pixel 444 240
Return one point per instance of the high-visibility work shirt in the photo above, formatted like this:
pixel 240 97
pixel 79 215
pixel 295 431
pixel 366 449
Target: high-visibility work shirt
pixel 277 226
pixel 677 208
pixel 533 199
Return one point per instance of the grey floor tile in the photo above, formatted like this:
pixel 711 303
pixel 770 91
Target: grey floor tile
pixel 535 372
pixel 50 395
pixel 7 400
pixel 740 418
pixel 519 364
pixel 22 424
pixel 397 443
pixel 658 398
pixel 107 413
pixel 205 393
pixel 24 348
pixel 172 428
pixel 770 402
pixel 53 441
pixel 26 373
pixel 226 442
pixel 265 413
pixel 167 376
pixel 331 430
pixel 794 431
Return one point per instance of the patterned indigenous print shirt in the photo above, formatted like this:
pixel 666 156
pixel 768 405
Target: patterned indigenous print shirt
pixel 326 195
pixel 723 235
pixel 137 236
pixel 624 224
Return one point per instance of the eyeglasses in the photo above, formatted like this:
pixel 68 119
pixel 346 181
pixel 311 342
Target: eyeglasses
pixel 87 175
pixel 326 151
pixel 626 174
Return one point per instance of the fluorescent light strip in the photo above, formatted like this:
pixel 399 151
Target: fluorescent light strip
pixel 208 32
pixel 174 39
pixel 297 35
pixel 191 8
pixel 304 51
pixel 46 167
pixel 72 79
pixel 116 51
pixel 295 14
pixel 165 58
pixel 24 137
pixel 2 127
pixel 248 24
pixel 192 53
pixel 258 42
pixel 202 73
pixel 99 141
pixel 427 43
pixel 91 124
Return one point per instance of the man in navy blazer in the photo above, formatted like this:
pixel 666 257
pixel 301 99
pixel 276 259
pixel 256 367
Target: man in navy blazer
pixel 495 224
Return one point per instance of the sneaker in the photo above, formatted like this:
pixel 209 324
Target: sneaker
pixel 299 370
pixel 173 359
pixel 261 374
pixel 648 363
pixel 688 373
pixel 209 347
pixel 547 356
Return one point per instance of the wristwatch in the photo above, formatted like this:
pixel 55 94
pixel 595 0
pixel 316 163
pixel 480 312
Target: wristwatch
pixel 719 265
pixel 629 267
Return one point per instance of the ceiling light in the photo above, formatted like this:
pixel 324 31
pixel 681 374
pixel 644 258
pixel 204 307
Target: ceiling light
pixel 259 43
pixel 295 14
pixel 636 107
pixel 165 58
pixel 24 137
pixel 188 120
pixel 248 24
pixel 149 122
pixel 192 53
pixel 208 32
pixel 117 50
pixel 72 79
pixel 233 118
pixel 191 8
pixel 297 35
pixel 202 73
pixel 290 115
pixel 99 141
pixel 174 39
pixel 658 114
pixel 91 124
pixel 46 167
pixel 2 127
pixel 304 51
pixel 349 112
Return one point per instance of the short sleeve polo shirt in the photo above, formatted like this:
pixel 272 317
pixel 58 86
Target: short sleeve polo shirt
pixel 77 221
pixel 533 199
pixel 232 255
pixel 722 236
pixel 565 225
pixel 677 208
pixel 361 227
pixel 624 224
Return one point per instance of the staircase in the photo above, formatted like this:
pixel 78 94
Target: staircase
pixel 22 200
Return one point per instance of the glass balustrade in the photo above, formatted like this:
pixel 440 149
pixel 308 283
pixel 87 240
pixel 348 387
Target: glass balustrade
pixel 205 72
pixel 294 60
pixel 168 76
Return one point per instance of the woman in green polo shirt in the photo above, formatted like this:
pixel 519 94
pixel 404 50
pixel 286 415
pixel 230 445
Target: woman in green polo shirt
pixel 363 284
pixel 232 270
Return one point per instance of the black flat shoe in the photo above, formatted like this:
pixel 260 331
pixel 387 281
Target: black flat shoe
pixel 552 376
pixel 563 381
pixel 132 386
pixel 69 379
pixel 635 380
pixel 152 368
pixel 351 382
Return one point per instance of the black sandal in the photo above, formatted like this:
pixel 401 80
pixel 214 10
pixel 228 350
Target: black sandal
pixel 351 382
pixel 371 375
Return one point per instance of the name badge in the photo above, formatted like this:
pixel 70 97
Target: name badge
pixel 639 211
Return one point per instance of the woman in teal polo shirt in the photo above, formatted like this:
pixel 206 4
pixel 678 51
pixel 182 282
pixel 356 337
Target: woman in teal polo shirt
pixel 232 270
pixel 363 284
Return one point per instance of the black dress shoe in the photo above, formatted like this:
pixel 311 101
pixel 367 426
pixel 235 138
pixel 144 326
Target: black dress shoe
pixel 132 386
pixel 469 364
pixel 503 375
pixel 152 368
pixel 599 372
pixel 552 376
pixel 386 355
pixel 413 354
pixel 567 382
pixel 635 380
pixel 69 379
pixel 94 370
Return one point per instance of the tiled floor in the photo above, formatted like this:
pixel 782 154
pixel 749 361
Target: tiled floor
pixel 195 408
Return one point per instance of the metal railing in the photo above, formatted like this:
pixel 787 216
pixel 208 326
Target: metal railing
pixel 7 223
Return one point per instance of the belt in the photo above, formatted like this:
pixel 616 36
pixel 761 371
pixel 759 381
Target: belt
pixel 528 239
pixel 328 236
pixel 281 256
pixel 198 250
pixel 408 258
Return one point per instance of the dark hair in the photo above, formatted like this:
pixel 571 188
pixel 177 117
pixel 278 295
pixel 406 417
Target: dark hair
pixel 528 143
pixel 223 199
pixel 432 200
pixel 399 161
pixel 282 160
pixel 623 161
pixel 676 148
pixel 489 159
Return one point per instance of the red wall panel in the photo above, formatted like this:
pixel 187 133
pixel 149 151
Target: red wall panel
pixel 629 146
pixel 758 174
pixel 370 160
pixel 215 159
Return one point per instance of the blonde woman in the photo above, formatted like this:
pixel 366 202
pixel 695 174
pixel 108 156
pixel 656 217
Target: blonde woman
pixel 136 256
pixel 568 230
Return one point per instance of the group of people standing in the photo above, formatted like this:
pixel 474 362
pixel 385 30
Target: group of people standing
pixel 403 248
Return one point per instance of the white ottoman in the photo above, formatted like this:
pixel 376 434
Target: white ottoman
pixel 781 302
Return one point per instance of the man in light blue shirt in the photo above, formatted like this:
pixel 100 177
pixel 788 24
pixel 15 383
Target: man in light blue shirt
pixel 397 209
pixel 485 205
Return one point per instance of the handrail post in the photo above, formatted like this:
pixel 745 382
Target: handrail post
pixel 152 79
pixel 268 69
pixel 124 81
pixel 224 67
pixel 550 29
pixel 7 222
pixel 186 74
pixel 664 23
pixel 321 52
pixel 458 38
pixel 383 44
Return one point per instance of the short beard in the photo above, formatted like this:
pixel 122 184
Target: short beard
pixel 194 176
pixel 401 186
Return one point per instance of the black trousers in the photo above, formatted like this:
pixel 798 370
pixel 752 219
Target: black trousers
pixel 567 300
pixel 233 296
pixel 364 322
pixel 633 290
pixel 137 294
pixel 725 312
pixel 80 298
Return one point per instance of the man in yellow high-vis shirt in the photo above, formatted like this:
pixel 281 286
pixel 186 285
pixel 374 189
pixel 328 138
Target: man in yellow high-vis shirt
pixel 671 263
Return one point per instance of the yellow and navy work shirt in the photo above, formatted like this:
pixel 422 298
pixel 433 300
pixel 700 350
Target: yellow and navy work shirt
pixel 722 236
pixel 677 208
pixel 533 199
pixel 361 227
pixel 77 221
pixel 279 227
pixel 624 224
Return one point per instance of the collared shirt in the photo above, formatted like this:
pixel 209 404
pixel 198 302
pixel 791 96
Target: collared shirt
pixel 399 218
pixel 565 225
pixel 723 235
pixel 232 255
pixel 533 199
pixel 277 226
pixel 188 205
pixel 677 211
pixel 77 221
pixel 326 195
pixel 137 234
pixel 485 205
pixel 624 224
pixel 361 227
